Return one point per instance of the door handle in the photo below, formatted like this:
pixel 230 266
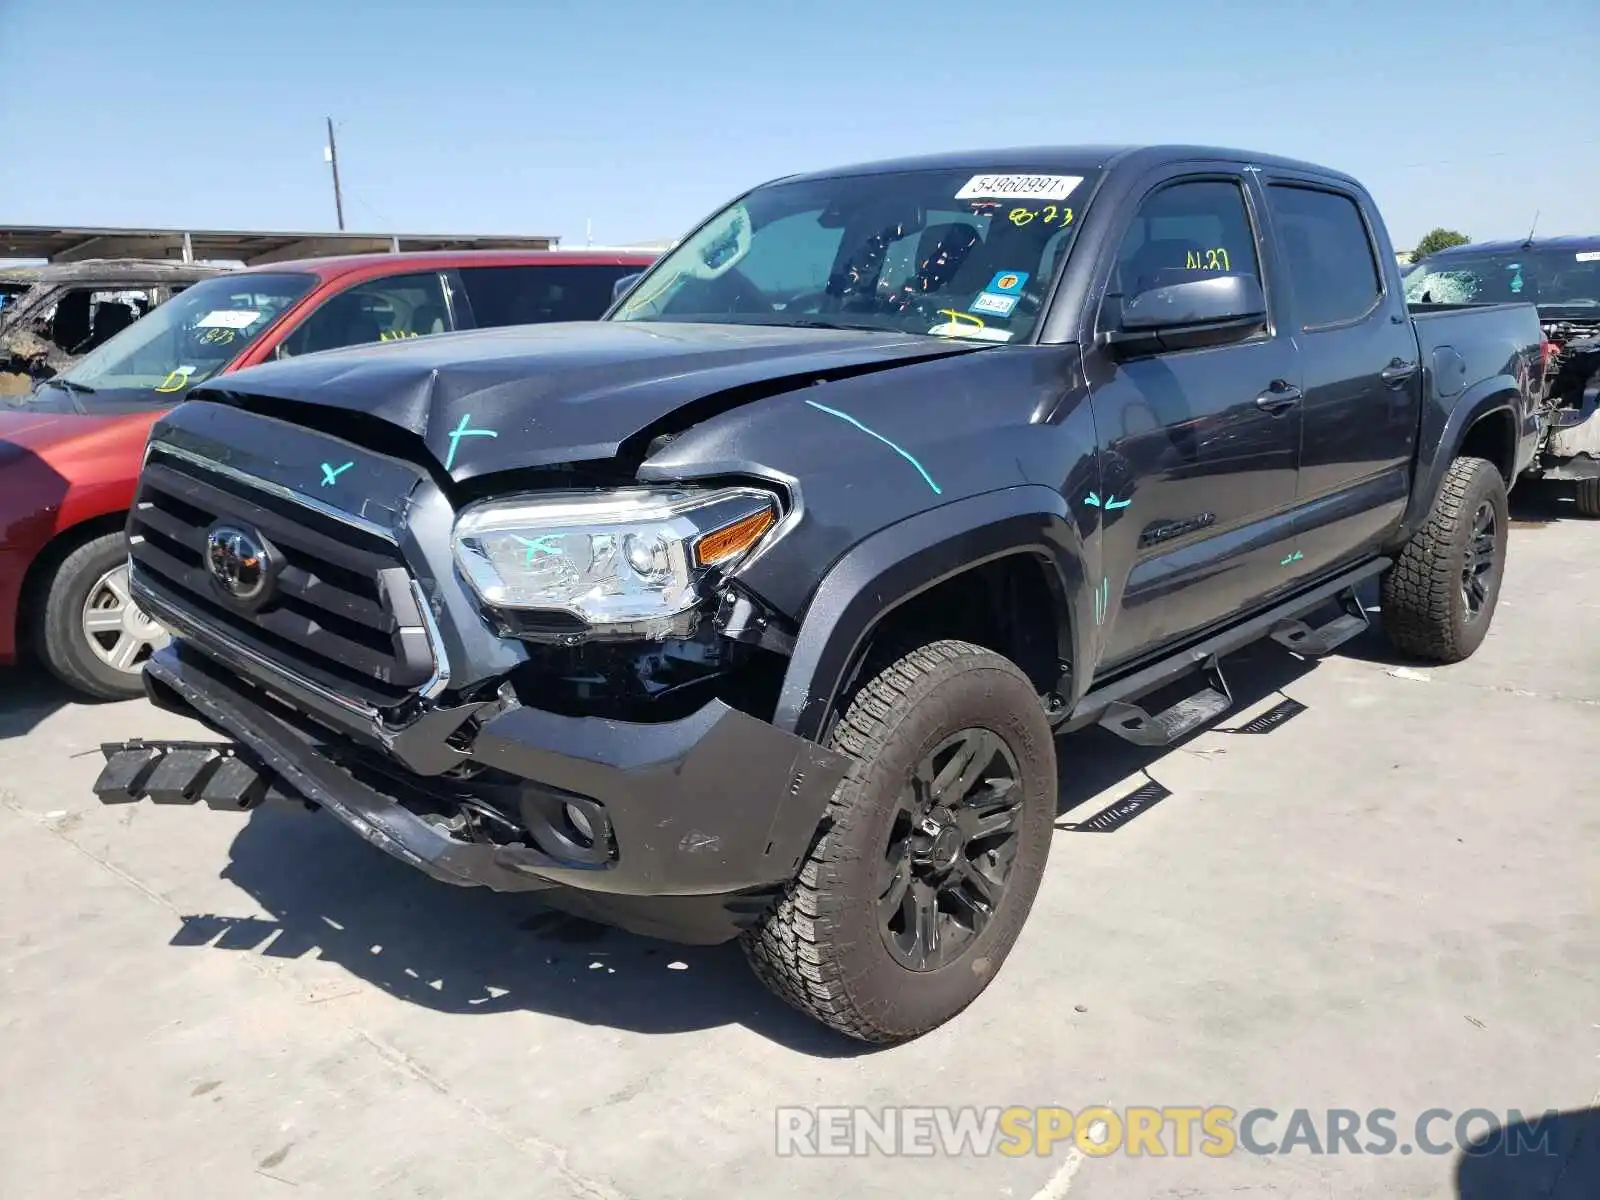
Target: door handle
pixel 1398 371
pixel 1280 397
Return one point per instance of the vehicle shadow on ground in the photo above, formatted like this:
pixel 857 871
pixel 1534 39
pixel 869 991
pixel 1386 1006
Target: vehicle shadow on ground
pixel 1094 760
pixel 468 950
pixel 28 695
pixel 1554 1157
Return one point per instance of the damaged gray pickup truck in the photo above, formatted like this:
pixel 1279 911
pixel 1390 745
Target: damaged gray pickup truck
pixel 754 609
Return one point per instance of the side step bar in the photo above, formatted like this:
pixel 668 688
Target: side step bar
pixel 1128 688
pixel 1134 724
pixel 184 773
pixel 1295 635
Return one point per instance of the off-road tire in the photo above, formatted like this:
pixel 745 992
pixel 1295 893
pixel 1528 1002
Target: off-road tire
pixel 58 622
pixel 1588 497
pixel 820 947
pixel 1424 611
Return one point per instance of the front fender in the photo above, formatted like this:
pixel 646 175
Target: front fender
pixel 907 558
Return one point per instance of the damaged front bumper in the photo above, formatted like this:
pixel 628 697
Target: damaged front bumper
pixel 1572 449
pixel 694 825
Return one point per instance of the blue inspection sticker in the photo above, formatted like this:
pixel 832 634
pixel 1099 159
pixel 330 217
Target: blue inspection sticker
pixel 993 304
pixel 1007 283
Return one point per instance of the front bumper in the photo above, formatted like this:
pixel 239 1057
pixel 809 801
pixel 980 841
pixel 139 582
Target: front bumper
pixel 705 818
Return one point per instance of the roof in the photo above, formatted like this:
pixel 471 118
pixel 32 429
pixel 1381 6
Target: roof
pixel 1574 243
pixel 1066 158
pixel 250 248
pixel 115 269
pixel 388 264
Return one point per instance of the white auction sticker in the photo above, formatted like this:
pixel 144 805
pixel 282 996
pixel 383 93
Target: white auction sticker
pixel 963 329
pixel 229 318
pixel 1019 187
pixel 1589 256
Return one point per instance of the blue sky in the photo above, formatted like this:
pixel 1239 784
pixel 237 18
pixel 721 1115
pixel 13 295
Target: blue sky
pixel 536 117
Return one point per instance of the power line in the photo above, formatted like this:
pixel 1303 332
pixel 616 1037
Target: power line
pixel 1521 150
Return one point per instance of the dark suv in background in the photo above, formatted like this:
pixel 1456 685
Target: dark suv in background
pixel 1561 276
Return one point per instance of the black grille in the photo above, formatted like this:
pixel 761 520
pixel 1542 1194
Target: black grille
pixel 341 611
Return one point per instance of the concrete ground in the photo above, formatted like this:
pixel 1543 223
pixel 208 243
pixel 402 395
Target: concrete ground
pixel 1389 901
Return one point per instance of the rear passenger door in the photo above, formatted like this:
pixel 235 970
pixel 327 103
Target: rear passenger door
pixel 1359 365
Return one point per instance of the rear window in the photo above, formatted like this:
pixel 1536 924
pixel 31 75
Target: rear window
pixel 534 295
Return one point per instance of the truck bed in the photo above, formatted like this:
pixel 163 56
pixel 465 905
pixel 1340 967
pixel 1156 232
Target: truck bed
pixel 1470 345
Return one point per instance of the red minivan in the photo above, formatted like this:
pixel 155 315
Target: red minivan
pixel 70 450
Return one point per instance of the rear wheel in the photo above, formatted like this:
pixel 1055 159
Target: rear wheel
pixel 932 849
pixel 92 635
pixel 1440 595
pixel 1589 497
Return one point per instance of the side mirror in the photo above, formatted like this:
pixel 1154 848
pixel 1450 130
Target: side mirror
pixel 1192 312
pixel 621 286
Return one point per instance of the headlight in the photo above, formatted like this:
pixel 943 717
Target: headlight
pixel 619 563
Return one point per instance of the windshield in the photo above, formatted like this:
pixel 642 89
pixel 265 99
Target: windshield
pixel 944 253
pixel 191 337
pixel 1551 279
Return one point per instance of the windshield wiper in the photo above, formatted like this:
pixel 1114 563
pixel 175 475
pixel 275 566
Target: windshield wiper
pixel 812 323
pixel 71 385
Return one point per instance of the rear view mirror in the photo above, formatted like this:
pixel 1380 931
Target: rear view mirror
pixel 621 286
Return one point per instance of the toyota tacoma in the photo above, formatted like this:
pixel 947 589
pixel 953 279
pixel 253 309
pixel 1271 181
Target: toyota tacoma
pixel 754 610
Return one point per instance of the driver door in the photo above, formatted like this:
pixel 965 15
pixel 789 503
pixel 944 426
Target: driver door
pixel 1200 447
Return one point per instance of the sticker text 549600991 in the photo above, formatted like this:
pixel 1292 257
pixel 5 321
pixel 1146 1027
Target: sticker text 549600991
pixel 1019 187
pixel 228 318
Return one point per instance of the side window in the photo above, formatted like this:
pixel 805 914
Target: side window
pixel 1183 229
pixel 783 265
pixel 84 318
pixel 1328 253
pixel 380 310
pixel 534 295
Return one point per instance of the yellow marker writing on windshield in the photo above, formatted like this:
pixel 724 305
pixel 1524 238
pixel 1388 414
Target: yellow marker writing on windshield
pixel 956 317
pixel 173 382
pixel 217 337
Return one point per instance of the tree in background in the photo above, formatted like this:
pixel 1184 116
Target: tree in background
pixel 1438 239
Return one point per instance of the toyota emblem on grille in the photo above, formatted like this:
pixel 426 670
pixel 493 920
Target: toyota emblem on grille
pixel 240 562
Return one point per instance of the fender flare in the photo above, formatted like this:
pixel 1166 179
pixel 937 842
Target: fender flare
pixel 1439 443
pixel 909 557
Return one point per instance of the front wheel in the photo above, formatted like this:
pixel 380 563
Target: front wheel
pixel 91 634
pixel 931 852
pixel 1588 497
pixel 1440 595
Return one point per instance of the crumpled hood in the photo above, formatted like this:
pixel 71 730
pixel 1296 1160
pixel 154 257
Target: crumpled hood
pixel 532 396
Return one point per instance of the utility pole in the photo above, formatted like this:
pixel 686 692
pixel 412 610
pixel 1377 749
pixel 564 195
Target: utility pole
pixel 333 158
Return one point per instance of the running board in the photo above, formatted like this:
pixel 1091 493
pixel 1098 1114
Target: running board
pixel 1132 723
pixel 183 773
pixel 1146 679
pixel 1299 638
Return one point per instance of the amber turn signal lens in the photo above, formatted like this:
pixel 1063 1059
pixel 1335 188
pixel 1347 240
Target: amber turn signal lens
pixel 732 540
